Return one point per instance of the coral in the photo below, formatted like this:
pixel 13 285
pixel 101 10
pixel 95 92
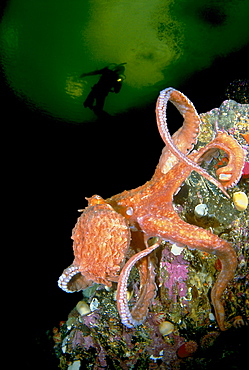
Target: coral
pixel 175 272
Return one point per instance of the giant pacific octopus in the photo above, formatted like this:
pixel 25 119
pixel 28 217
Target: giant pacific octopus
pixel 112 235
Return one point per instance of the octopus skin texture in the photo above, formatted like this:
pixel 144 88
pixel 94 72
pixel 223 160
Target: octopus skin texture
pixel 109 231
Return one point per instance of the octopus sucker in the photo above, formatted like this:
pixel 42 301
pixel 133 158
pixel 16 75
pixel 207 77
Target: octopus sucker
pixel 109 231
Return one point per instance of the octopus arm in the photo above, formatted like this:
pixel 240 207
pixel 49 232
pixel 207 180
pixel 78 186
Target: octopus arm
pixel 182 103
pixel 139 311
pixel 71 280
pixel 230 174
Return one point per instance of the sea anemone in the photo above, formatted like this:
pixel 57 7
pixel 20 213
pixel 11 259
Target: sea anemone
pixel 240 200
pixel 166 327
pixel 208 340
pixel 187 349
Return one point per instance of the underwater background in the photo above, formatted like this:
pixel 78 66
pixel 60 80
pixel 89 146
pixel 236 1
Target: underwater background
pixel 46 46
pixel 57 152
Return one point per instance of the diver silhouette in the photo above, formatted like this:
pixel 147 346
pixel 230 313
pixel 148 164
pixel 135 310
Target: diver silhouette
pixel 111 80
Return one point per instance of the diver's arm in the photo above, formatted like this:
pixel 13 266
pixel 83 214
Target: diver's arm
pixel 97 72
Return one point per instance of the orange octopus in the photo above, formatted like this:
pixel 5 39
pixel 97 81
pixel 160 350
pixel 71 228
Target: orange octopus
pixel 109 231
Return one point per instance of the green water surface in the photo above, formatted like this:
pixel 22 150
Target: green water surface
pixel 47 44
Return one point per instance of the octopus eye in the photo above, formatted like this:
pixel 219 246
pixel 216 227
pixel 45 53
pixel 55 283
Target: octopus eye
pixel 129 211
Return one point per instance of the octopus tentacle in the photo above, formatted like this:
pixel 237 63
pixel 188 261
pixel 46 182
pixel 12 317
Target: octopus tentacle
pixel 146 293
pixel 147 286
pixel 186 137
pixel 71 280
pixel 139 312
pixel 66 277
pixel 166 95
pixel 228 259
pixel 230 174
